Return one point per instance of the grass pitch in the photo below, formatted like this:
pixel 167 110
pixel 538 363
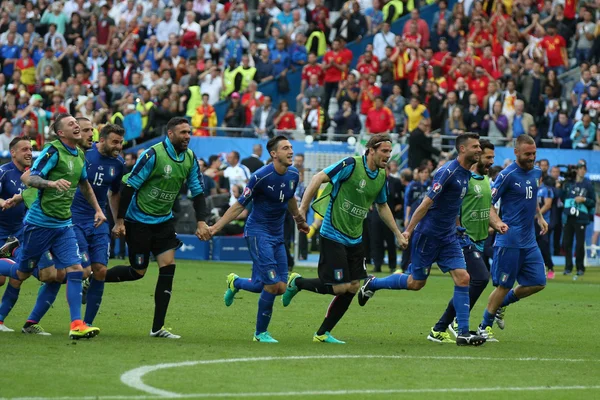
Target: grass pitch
pixel 549 349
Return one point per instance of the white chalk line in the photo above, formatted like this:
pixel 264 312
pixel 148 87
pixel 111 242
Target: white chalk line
pixel 134 379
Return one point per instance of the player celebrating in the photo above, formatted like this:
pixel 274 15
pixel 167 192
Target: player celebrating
pixel 434 227
pixel 355 183
pixel 516 254
pixel 58 170
pixel 476 215
pixel 271 191
pixel 11 218
pixel 145 217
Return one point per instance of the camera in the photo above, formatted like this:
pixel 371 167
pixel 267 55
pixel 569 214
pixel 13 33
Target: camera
pixel 568 172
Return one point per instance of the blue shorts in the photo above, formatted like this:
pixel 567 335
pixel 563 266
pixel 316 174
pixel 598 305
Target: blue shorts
pixel 94 244
pixel 426 250
pixel 526 266
pixel 60 242
pixel 269 259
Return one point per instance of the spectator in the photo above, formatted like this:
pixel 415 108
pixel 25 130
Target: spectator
pixel 584 36
pixel 299 24
pixel 532 86
pixel 545 196
pixel 591 105
pixel 554 84
pixel 167 26
pixel 415 114
pixel 264 67
pixel 284 120
pixel 235 116
pixel 420 144
pixel 520 122
pixel 6 136
pixel 315 121
pixel 555 50
pixel 236 173
pixel 312 90
pixel 422 27
pixel 262 22
pixel 374 17
pixel 549 120
pixel 579 198
pixel 562 131
pixel 285 19
pixel 380 119
pixel 211 83
pixel 347 122
pixel 297 50
pixel 253 163
pixel 581 87
pixel 382 40
pixel 368 92
pixel 48 61
pixel 396 103
pixel 245 75
pixel 263 121
pixel 455 125
pixel 204 117
pixel 583 133
pixel 335 67
pixel 280 58
pixel 9 53
pixel 251 100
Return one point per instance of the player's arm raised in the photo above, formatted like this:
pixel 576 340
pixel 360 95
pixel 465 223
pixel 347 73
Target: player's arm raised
pixel 298 217
pixel 311 191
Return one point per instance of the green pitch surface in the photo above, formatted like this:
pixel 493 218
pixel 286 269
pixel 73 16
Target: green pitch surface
pixel 549 350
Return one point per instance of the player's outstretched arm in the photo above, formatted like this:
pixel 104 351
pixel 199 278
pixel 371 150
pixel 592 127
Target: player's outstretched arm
pixel 541 221
pixel 88 193
pixel 420 212
pixel 496 223
pixel 311 191
pixel 37 181
pixel 298 217
pixel 9 203
pixel 232 213
pixel 388 218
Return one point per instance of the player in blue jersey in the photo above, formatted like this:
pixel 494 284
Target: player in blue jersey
pixel 434 240
pixel 355 184
pixel 48 226
pixel 11 218
pixel 517 256
pixel 415 191
pixel 271 190
pixel 545 197
pixel 145 214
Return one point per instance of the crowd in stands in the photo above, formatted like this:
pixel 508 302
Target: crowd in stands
pixel 480 66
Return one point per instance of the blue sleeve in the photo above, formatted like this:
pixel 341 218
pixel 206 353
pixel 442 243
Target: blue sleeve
pixel 45 162
pixel 194 180
pixel 340 170
pixel 383 194
pixel 84 174
pixel 249 190
pixel 407 195
pixel 500 184
pixel 426 114
pixel 549 193
pixel 439 182
pixel 142 169
pixel 116 183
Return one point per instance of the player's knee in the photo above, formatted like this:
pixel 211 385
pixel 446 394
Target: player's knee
pixel 282 287
pixel 413 284
pixel 15 283
pixel 87 272
pixel 140 271
pixel 100 273
pixel 61 274
pixel 74 268
pixel 47 275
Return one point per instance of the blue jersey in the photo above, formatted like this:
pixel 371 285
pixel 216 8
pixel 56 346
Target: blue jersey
pixel 269 193
pixel 338 173
pixel 141 172
pixel 104 174
pixel 414 194
pixel 11 220
pixel 517 191
pixel 449 186
pixel 543 193
pixel 42 166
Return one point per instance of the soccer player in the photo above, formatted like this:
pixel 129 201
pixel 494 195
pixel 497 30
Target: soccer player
pixel 11 218
pixel 355 183
pixel 516 254
pixel 271 190
pixel 145 218
pixel 476 216
pixel 58 170
pixel 434 240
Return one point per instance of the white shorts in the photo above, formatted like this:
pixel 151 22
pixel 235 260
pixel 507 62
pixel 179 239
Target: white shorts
pixel 596 223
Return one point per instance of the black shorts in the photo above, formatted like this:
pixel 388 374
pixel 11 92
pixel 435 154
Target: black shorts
pixel 475 264
pixel 341 264
pixel 143 239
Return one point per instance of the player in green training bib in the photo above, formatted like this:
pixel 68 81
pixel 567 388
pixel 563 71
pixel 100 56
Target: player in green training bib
pixel 354 184
pixel 476 216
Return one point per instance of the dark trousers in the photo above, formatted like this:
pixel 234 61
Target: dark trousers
pixel 543 242
pixel 288 236
pixel 302 246
pixel 366 238
pixel 381 238
pixel 405 261
pixel 574 231
pixel 556 238
pixel 330 90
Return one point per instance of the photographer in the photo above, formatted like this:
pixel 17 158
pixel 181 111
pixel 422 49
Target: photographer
pixel 580 200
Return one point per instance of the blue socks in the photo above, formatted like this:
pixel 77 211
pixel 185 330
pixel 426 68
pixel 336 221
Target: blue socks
pixel 462 305
pixel 265 309
pixel 394 281
pixel 510 298
pixel 476 288
pixel 9 299
pixel 248 285
pixel 46 296
pixel 488 319
pixel 74 294
pixel 94 299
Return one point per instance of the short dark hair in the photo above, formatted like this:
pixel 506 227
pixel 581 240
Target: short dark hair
pixel 524 139
pixel 273 143
pixel 132 154
pixel 236 154
pixel 173 122
pixel 486 144
pixel 544 160
pixel 79 119
pixel 111 128
pixel 462 139
pixel 423 168
pixel 58 122
pixel 18 139
pixel 376 140
pixel 212 159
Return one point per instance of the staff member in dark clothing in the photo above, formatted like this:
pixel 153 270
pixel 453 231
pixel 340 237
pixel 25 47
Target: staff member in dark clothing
pixel 414 194
pixel 420 145
pixel 580 202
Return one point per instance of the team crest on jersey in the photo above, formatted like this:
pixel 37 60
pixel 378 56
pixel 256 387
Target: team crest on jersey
pixel 504 278
pixel 272 274
pixel 49 256
pixel 247 192
pixel 338 274
pixel 112 171
pixel 31 264
pixel 71 166
pixel 477 188
pixel 437 187
pixel 139 259
pixel 167 171
pixel 292 185
pixel 362 183
pixel 85 257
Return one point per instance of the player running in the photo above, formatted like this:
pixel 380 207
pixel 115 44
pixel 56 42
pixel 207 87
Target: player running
pixel 145 217
pixel 11 218
pixel 355 184
pixel 434 240
pixel 271 190
pixel 476 216
pixel 516 254
pixel 58 170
